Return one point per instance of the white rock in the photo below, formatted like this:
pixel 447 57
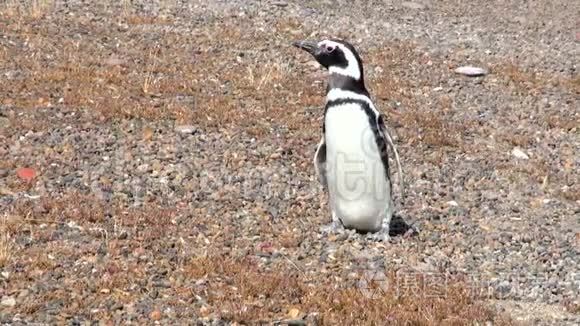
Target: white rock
pixel 74 225
pixel 143 168
pixel 517 152
pixel 412 5
pixel 452 203
pixel 8 302
pixel 185 129
pixel 471 71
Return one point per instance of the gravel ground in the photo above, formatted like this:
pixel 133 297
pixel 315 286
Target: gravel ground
pixel 153 192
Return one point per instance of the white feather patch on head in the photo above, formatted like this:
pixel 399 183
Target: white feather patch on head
pixel 352 69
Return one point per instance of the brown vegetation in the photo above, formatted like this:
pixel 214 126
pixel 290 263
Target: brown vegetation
pixel 235 288
pixel 247 294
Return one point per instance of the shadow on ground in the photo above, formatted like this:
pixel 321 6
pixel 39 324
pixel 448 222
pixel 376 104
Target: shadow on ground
pixel 398 227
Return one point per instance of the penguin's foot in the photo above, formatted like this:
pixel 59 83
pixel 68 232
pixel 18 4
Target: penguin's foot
pixel 380 236
pixel 333 227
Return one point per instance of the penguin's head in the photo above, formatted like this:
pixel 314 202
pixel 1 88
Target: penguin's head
pixel 338 56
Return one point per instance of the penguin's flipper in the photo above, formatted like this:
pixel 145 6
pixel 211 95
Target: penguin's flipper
pixel 389 140
pixel 320 163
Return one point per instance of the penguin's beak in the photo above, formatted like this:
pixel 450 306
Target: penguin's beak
pixel 308 46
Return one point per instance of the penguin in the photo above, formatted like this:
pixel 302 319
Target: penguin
pixel 351 160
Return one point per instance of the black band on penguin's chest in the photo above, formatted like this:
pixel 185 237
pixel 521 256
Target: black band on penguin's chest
pixel 362 104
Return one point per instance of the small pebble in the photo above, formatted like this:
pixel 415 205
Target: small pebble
pixel 452 203
pixel 471 71
pixel 155 315
pixel 412 5
pixel 517 152
pixel 185 129
pixel 8 301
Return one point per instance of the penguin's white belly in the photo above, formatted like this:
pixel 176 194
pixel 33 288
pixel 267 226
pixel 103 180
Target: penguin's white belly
pixel 359 191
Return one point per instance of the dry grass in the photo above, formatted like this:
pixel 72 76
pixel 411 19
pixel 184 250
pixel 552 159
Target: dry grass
pixel 521 138
pixel 561 122
pixel 432 125
pixel 186 77
pixel 236 288
pixel 533 82
pixel 32 9
pixel 431 128
pixel 152 72
pixel 98 227
pixel 6 242
pixel 571 193
pixel 92 211
pixel 244 293
pixel 190 77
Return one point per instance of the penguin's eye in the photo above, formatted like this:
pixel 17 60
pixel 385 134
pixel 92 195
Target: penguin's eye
pixel 330 48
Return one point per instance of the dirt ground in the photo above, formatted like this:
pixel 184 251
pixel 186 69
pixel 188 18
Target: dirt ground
pixel 156 164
